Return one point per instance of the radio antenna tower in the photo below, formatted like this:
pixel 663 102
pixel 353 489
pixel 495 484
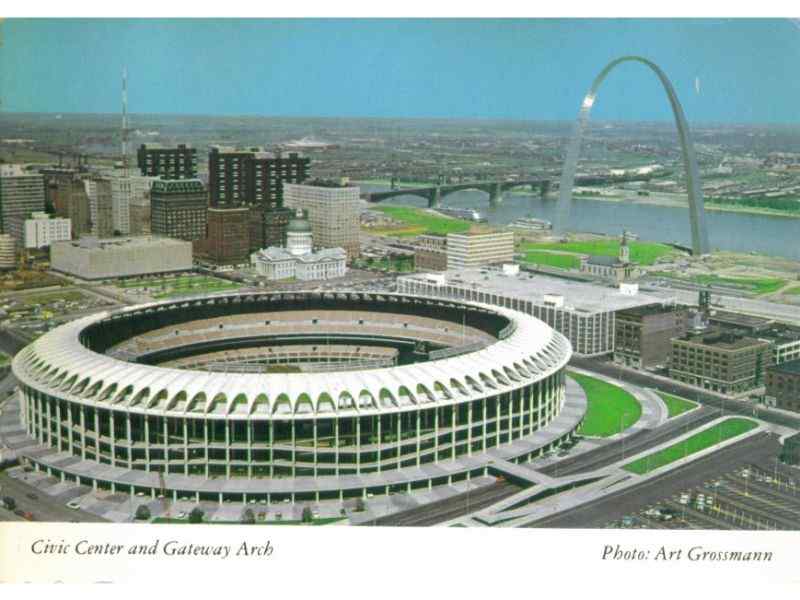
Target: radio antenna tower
pixel 125 124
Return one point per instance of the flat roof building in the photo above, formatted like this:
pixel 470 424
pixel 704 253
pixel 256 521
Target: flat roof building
pixel 21 193
pixel 583 312
pixel 92 258
pixel 478 247
pixel 720 361
pixel 643 334
pixel 167 162
pixel 41 230
pixel 228 241
pixel 179 209
pixel 334 213
pixel 783 385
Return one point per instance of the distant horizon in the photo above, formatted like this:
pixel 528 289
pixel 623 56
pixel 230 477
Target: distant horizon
pixel 737 71
pixel 667 121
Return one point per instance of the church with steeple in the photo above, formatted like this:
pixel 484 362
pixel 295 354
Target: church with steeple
pixel 617 269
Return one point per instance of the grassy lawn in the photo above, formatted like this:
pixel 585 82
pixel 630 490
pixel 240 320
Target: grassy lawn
pixel 645 253
pixel 727 429
pixel 323 521
pixel 4 359
pixel 168 287
pixel 795 291
pixel 550 259
pixel 609 405
pixel 417 221
pixel 675 405
pixel 758 285
pixel 70 296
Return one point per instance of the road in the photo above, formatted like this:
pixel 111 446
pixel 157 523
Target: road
pixel 644 379
pixel 44 507
pixel 450 508
pixel 617 450
pixel 760 448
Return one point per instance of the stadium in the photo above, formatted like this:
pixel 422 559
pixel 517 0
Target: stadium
pixel 291 396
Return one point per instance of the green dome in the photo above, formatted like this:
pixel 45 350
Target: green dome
pixel 298 226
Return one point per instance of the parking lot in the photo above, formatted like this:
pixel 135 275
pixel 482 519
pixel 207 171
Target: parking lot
pixel 748 498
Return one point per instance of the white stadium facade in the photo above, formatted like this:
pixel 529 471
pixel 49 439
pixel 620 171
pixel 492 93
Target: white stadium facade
pixel 290 395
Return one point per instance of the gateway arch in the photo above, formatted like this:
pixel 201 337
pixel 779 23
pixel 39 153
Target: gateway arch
pixel 697 216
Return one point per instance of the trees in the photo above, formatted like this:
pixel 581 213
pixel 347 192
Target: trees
pixel 360 505
pixel 196 516
pixel 247 518
pixel 308 516
pixel 9 502
pixel 143 513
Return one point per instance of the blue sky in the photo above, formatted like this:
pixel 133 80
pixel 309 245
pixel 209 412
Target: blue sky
pixel 536 69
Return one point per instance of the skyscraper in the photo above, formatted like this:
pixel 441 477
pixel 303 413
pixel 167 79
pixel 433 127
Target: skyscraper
pixel 167 162
pixel 179 209
pixel 334 211
pixel 21 193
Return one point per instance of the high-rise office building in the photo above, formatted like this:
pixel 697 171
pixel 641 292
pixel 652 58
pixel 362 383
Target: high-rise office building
pixel 179 209
pixel 167 162
pixel 251 176
pixel 228 241
pixel 70 200
pixel 333 209
pixel 21 193
pixel 101 208
pixel 8 252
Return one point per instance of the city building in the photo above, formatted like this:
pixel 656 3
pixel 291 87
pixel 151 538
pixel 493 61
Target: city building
pixel 266 173
pixel 167 162
pixel 721 361
pixel 479 247
pixel 614 269
pixel 276 220
pixel 101 206
pixel 228 241
pixel 784 339
pixel 783 386
pixel 126 192
pixel 179 209
pixel 583 312
pixel 643 334
pixel 91 258
pixel 227 176
pixel 8 252
pixel 430 253
pixel 298 260
pixel 41 230
pixel 271 398
pixel 21 193
pixel 333 210
pixel 70 200
pixel 791 449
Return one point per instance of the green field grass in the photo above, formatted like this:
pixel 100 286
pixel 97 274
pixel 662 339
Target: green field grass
pixel 795 291
pixel 4 359
pixel 50 298
pixel 645 253
pixel 417 221
pixel 162 287
pixel 609 406
pixel 725 430
pixel 675 405
pixel 550 259
pixel 758 285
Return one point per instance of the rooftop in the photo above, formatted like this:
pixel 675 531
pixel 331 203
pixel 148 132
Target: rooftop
pixel 93 243
pixel 651 309
pixel 792 367
pixel 578 296
pixel 723 340
pixel 749 321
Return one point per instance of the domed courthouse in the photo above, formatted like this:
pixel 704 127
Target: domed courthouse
pixel 298 260
pixel 301 396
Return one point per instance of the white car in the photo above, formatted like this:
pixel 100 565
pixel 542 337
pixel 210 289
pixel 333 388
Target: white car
pixel 74 504
pixel 181 515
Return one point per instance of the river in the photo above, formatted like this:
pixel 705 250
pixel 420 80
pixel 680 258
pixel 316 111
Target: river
pixel 738 232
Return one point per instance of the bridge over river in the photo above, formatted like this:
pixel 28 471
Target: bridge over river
pixel 436 193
